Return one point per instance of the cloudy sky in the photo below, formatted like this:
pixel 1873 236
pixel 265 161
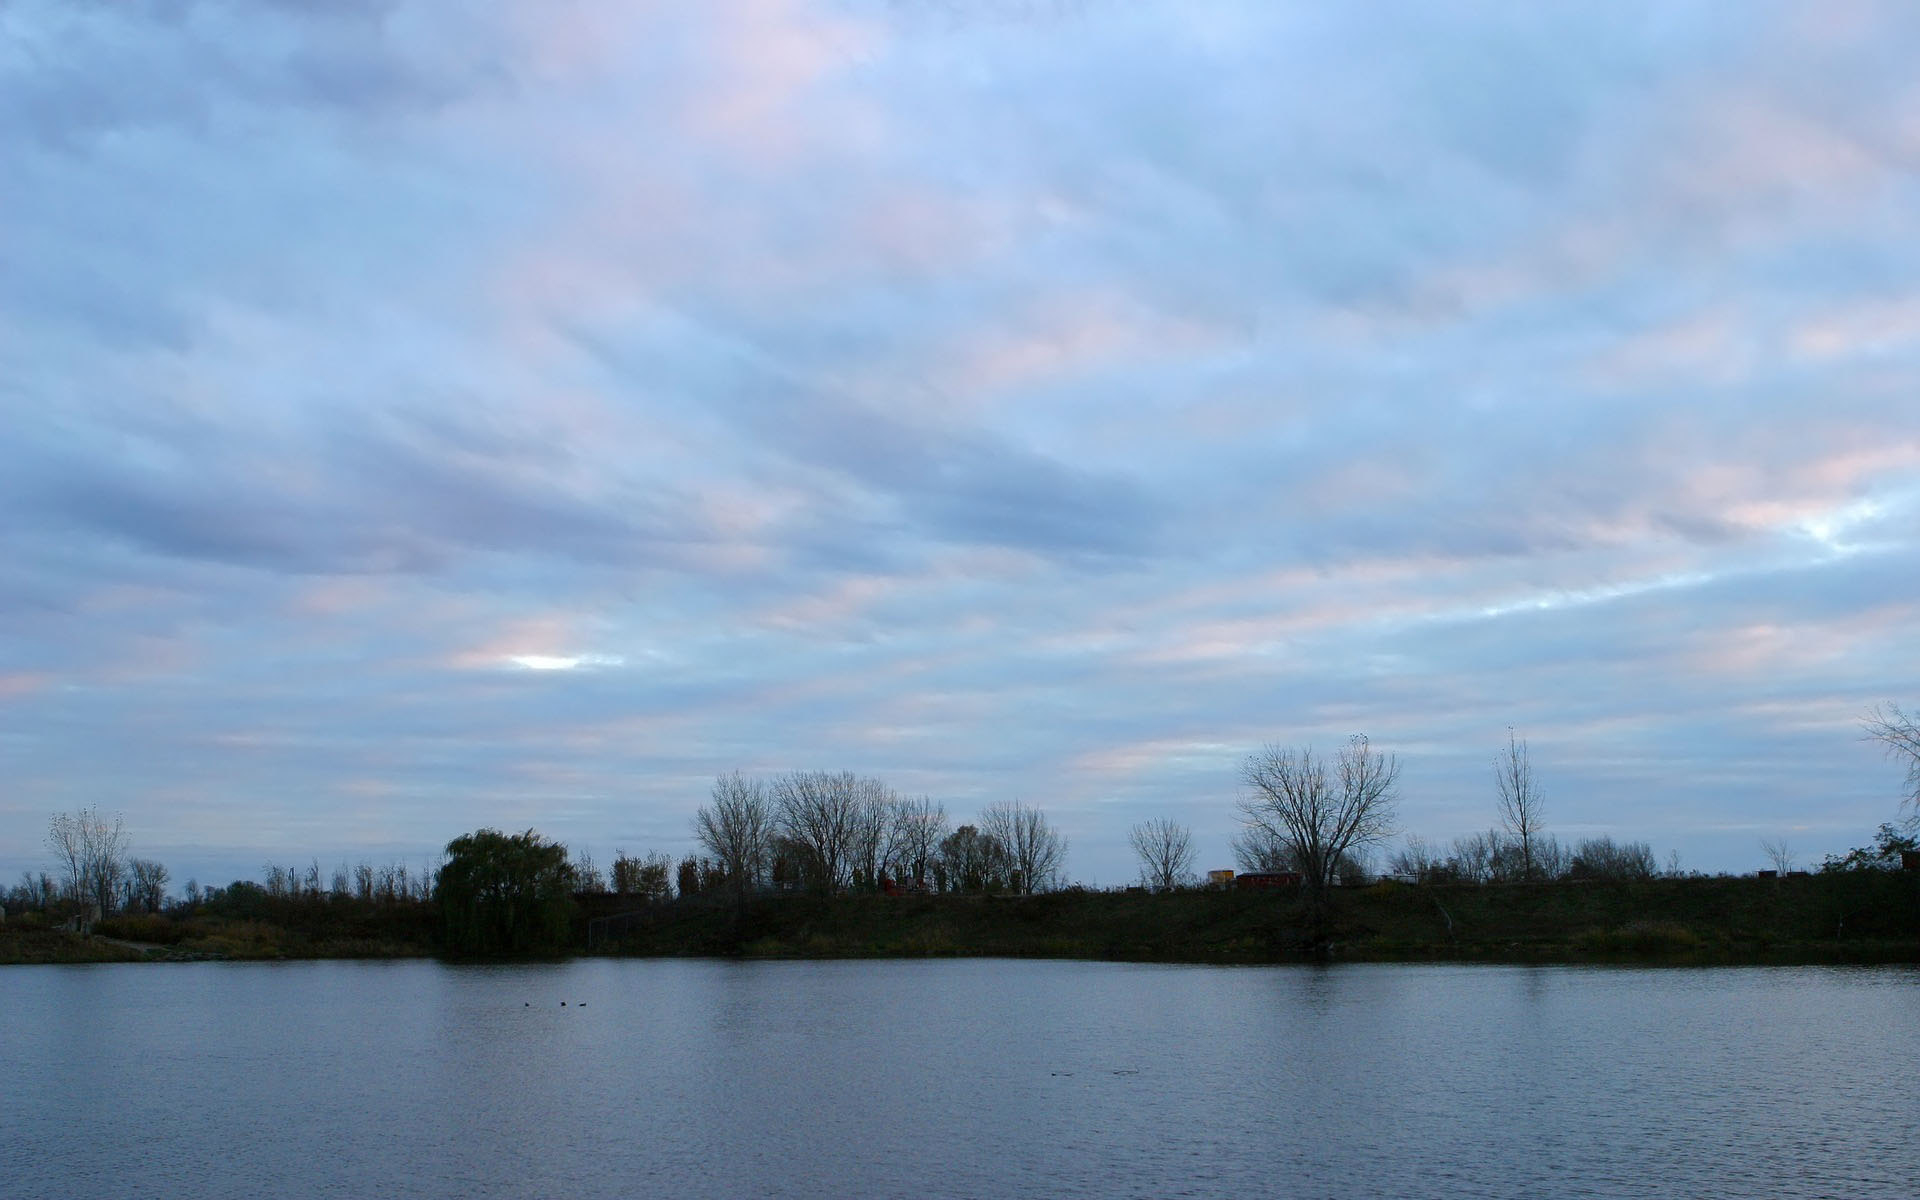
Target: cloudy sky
pixel 420 416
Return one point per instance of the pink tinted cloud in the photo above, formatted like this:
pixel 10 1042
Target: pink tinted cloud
pixel 1871 327
pixel 17 684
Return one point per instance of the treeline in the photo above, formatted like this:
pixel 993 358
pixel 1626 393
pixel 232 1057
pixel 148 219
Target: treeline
pixel 821 833
pixel 1496 857
pixel 96 874
pixel 100 887
pixel 1321 821
pixel 835 831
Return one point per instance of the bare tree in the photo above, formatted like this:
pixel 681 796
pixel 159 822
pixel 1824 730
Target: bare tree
pixel 649 878
pixel 1293 801
pixel 146 885
pixel 1898 733
pixel 1165 848
pixel 35 892
pixel 1779 854
pixel 971 861
pixel 1476 857
pixel 737 829
pixel 818 813
pixel 1550 858
pixel 1417 861
pixel 1258 848
pixel 1603 858
pixel 1035 850
pixel 1520 802
pixel 920 825
pixel 587 875
pixel 92 856
pixel 874 821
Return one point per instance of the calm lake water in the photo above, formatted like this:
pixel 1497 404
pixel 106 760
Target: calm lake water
pixel 956 1078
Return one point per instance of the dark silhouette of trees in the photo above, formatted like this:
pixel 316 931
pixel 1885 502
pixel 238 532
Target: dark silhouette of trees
pixel 505 894
pixel 1603 858
pixel 689 878
pixel 737 829
pixel 587 876
pixel 875 820
pixel 920 824
pixel 647 878
pixel 971 861
pixel 1898 733
pixel 818 817
pixel 1259 848
pixel 1521 805
pixel 1779 854
pixel 92 854
pixel 1165 849
pixel 1034 849
pixel 1295 807
pixel 1890 843
pixel 146 885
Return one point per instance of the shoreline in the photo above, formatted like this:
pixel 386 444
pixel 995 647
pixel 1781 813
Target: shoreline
pixel 1831 919
pixel 1840 955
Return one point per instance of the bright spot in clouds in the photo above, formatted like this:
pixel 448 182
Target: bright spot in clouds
pixel 554 662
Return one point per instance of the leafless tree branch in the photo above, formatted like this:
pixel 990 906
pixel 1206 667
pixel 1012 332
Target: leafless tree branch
pixel 1520 801
pixel 1898 733
pixel 1165 848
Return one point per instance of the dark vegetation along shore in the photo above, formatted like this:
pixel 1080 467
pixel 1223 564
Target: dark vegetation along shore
pixel 1826 918
pixel 830 864
pixel 1834 917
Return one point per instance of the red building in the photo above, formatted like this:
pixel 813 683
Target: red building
pixel 1251 880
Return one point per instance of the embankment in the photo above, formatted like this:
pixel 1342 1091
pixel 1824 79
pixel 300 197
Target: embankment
pixel 1856 917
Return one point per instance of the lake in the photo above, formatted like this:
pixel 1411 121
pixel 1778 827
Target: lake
pixel 971 1077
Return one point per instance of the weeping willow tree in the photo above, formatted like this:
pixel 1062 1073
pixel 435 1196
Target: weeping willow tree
pixel 504 894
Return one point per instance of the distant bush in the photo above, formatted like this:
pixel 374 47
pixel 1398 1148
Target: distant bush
pixel 1490 857
pixel 1603 858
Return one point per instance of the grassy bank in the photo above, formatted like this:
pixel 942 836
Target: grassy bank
pixel 1856 916
pixel 24 942
pixel 292 930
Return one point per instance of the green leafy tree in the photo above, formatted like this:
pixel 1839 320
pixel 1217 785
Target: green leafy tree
pixel 1883 855
pixel 505 894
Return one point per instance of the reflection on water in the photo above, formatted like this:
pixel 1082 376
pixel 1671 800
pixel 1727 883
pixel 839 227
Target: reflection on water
pixel 957 1078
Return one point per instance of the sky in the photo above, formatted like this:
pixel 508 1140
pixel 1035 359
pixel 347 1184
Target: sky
pixel 422 416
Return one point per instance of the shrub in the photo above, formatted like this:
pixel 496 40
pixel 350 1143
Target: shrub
pixel 1603 858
